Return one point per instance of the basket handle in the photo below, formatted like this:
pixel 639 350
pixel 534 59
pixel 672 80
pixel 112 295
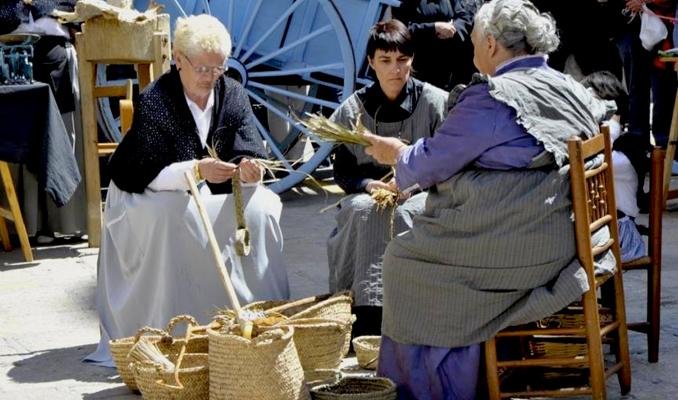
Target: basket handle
pixel 179 319
pixel 147 329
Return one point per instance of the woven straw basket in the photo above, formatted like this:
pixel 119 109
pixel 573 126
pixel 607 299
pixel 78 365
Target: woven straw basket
pixel 356 389
pixel 321 377
pixel 367 351
pixel 162 338
pixel 320 342
pixel 548 347
pixel 335 306
pixel 266 367
pixel 157 384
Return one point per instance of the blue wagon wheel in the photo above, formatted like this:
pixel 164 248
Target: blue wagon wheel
pixel 276 43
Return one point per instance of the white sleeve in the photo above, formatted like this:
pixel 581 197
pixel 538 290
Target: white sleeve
pixel 172 177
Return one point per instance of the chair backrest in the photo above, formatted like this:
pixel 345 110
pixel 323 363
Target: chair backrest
pixel 593 199
pixel 657 203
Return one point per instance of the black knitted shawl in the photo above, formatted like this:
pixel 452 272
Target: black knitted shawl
pixel 163 132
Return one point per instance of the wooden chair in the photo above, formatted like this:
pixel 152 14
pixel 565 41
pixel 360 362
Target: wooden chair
pixel 12 214
pixel 594 207
pixel 653 260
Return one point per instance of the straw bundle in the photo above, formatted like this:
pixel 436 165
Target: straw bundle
pixel 333 132
pixel 384 198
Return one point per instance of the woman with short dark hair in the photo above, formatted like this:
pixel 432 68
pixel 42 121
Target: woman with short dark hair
pixel 399 106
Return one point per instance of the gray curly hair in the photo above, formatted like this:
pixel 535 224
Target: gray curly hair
pixel 518 26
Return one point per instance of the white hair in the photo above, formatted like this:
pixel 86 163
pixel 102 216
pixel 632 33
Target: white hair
pixel 201 34
pixel 518 26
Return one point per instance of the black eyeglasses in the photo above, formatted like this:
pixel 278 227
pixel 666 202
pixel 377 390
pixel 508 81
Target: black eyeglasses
pixel 204 69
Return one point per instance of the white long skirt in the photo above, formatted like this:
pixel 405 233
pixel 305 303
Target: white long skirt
pixel 155 261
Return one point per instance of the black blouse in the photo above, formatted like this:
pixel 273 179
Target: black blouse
pixel 163 132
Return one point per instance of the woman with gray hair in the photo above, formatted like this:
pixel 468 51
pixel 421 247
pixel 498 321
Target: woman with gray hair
pixel 495 245
pixel 153 262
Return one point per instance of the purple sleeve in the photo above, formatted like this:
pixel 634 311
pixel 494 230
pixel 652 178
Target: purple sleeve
pixel 468 131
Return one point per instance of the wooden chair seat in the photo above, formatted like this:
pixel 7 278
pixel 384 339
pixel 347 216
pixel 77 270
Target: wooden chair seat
pixel 575 344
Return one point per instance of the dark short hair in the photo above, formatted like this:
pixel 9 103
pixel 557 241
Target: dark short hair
pixel 606 86
pixel 390 35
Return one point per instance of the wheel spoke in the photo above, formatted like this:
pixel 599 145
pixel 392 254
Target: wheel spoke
pixel 309 37
pixel 206 4
pixel 248 27
pixel 272 144
pixel 293 95
pixel 284 116
pixel 277 23
pixel 179 7
pixel 229 22
pixel 325 83
pixel 296 71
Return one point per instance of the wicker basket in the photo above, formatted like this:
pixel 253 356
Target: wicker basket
pixel 356 389
pixel 320 342
pixel 120 349
pixel 563 346
pixel 157 384
pixel 334 306
pixel 166 343
pixel 367 351
pixel 266 367
pixel 321 377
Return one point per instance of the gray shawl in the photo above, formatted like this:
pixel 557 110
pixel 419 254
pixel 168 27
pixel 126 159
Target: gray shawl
pixel 551 106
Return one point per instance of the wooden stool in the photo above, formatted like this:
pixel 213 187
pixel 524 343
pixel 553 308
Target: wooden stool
pixel 103 41
pixel 12 214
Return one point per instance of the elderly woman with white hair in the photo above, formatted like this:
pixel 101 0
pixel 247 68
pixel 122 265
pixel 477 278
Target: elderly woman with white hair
pixel 154 261
pixel 495 244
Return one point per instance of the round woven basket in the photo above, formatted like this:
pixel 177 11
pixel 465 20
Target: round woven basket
pixel 321 377
pixel 157 384
pixel 367 351
pixel 356 389
pixel 320 342
pixel 266 367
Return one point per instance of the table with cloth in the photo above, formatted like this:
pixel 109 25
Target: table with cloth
pixel 32 133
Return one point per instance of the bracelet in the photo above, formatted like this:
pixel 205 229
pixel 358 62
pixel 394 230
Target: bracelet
pixel 196 172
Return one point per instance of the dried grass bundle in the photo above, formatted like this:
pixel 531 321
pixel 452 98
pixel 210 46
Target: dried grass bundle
pixel 144 350
pixel 257 318
pixel 333 132
pixel 384 198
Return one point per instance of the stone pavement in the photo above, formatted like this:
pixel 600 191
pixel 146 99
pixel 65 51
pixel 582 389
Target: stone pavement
pixel 48 323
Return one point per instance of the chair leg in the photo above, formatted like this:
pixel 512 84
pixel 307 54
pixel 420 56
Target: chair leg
pixel 653 311
pixel 4 235
pixel 622 342
pixel 594 345
pixel 491 370
pixel 16 211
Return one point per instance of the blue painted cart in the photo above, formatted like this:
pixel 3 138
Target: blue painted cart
pixel 278 44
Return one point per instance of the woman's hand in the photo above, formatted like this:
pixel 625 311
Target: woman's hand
pixel 250 172
pixel 385 150
pixel 445 30
pixel 216 171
